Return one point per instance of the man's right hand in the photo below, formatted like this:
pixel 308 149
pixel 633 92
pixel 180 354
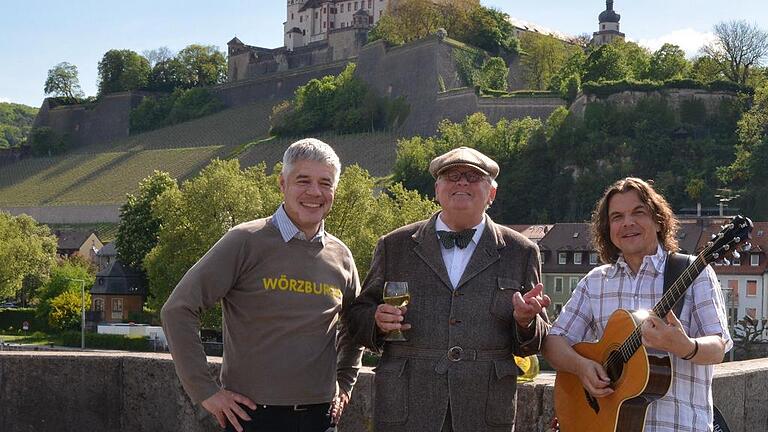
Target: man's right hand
pixel 390 318
pixel 594 378
pixel 224 406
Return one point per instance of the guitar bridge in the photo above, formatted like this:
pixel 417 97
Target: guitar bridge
pixel 592 401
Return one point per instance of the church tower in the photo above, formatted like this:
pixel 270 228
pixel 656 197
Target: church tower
pixel 608 31
pixel 293 36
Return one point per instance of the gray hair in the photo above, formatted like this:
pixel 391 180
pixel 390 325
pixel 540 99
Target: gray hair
pixel 311 149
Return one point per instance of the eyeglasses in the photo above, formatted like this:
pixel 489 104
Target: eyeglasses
pixel 471 176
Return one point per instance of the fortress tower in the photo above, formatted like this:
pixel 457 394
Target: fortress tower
pixel 608 30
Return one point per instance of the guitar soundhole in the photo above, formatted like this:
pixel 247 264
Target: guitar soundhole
pixel 614 366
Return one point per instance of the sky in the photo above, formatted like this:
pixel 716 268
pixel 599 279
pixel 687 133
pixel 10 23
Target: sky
pixel 35 35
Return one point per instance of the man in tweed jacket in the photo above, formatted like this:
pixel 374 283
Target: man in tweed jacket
pixel 475 300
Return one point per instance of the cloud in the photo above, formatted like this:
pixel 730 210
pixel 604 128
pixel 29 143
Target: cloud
pixel 4 100
pixel 688 39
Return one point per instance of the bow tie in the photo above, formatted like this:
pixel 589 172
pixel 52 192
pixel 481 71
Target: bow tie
pixel 449 239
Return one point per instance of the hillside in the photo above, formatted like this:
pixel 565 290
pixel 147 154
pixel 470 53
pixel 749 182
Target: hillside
pixel 105 173
pixel 15 123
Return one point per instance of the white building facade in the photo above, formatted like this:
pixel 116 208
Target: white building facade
pixel 309 21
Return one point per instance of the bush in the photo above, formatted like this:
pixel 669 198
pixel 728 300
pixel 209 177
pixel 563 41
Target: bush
pixel 178 107
pixel 107 341
pixel 45 142
pixel 14 318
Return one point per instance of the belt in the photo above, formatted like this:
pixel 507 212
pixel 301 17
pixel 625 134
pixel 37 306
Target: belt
pixel 305 407
pixel 445 358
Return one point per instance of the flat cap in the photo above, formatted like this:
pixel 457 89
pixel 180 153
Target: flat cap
pixel 464 156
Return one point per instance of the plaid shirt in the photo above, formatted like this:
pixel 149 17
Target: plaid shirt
pixel 688 404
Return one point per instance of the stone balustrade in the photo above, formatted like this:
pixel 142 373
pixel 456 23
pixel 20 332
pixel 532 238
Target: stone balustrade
pixel 115 391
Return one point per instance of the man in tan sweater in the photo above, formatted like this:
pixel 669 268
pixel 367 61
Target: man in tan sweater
pixel 283 282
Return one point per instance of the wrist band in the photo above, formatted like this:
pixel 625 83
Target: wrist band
pixel 694 352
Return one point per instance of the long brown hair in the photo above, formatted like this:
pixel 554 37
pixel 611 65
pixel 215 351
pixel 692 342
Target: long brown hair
pixel 658 206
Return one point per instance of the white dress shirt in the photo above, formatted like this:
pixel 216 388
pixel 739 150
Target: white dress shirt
pixel 456 259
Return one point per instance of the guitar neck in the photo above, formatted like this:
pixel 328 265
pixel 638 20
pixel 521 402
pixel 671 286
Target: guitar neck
pixel 675 293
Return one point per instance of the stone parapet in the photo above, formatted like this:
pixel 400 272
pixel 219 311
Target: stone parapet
pixel 116 391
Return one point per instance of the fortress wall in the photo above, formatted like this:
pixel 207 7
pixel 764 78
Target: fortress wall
pixel 675 97
pixel 411 71
pixel 457 105
pixel 74 391
pixel 275 87
pixel 99 123
pixel 69 214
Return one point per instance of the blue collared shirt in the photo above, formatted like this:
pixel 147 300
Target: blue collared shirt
pixel 288 229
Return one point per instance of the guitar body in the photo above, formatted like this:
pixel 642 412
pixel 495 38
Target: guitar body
pixel 636 384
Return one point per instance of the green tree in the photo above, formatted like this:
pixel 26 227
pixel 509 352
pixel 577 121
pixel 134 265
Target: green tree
pixel 138 230
pixel 493 75
pixel 706 69
pixel 606 63
pixel 15 123
pixel 668 62
pixel 543 56
pixel 66 310
pixel 26 250
pixel 489 29
pixel 201 65
pixel 165 76
pixel 45 142
pixel 635 57
pixel 122 70
pixel 738 48
pixel 63 81
pixel 65 277
pixel 574 65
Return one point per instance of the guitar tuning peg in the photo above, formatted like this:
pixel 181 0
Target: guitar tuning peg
pixel 709 244
pixel 726 261
pixel 746 247
pixel 736 239
pixel 727 247
pixel 716 256
pixel 736 255
pixel 714 236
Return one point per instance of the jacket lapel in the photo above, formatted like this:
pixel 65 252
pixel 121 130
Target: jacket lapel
pixel 485 254
pixel 428 249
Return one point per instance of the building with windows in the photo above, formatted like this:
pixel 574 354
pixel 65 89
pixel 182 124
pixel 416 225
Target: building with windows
pixel 567 256
pixel 118 294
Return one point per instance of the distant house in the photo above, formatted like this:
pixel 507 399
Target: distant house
pixel 119 292
pixel 567 255
pixel 106 256
pixel 744 280
pixel 82 243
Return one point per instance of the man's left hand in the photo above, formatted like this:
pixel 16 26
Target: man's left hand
pixel 527 306
pixel 337 406
pixel 666 336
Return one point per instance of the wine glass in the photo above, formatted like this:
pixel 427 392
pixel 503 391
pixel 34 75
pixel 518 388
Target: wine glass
pixel 396 294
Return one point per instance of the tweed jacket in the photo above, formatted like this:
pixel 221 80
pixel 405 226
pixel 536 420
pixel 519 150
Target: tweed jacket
pixel 459 349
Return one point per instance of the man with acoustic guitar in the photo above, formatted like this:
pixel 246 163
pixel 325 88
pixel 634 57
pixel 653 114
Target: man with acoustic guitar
pixel 634 232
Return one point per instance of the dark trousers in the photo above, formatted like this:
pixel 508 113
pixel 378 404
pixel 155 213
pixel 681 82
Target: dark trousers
pixel 273 418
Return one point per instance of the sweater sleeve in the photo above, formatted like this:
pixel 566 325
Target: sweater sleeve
pixel 350 354
pixel 200 289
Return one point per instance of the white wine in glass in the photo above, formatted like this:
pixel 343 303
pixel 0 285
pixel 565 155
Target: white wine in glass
pixel 396 294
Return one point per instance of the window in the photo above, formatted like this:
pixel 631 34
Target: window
pixel 577 258
pixel 117 308
pixel 751 312
pixel 754 260
pixel 573 281
pixel 355 5
pixel 593 258
pixel 736 261
pixel 323 24
pixel 301 18
pixel 751 288
pixel 562 258
pixel 733 285
pixel 98 304
pixel 370 4
pixel 343 25
pixel 558 284
pixel 349 7
pixel 291 16
pixel 315 15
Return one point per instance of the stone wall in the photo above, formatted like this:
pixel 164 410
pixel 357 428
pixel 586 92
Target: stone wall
pixel 68 214
pixel 458 104
pixel 114 392
pixel 675 97
pixel 97 123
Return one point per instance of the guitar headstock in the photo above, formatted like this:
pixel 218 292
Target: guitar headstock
pixel 725 243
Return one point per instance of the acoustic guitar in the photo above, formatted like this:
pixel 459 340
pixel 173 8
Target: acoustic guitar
pixel 636 378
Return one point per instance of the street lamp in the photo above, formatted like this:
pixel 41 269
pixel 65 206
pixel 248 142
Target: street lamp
pixel 82 311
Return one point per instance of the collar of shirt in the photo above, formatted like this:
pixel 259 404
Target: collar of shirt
pixel 657 260
pixel 441 226
pixel 288 229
